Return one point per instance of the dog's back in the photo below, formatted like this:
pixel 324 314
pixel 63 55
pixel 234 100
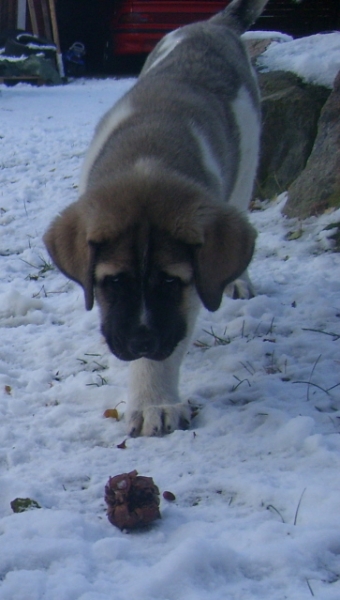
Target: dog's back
pixel 203 51
pixel 197 81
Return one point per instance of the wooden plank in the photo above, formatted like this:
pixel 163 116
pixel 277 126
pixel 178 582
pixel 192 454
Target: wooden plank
pixel 23 78
pixel 56 37
pixel 46 18
pixel 21 14
pixel 33 16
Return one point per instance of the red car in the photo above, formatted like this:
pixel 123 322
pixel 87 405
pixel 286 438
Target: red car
pixel 135 26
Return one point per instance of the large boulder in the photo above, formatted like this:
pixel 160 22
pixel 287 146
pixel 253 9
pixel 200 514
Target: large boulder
pixel 256 46
pixel 290 113
pixel 318 186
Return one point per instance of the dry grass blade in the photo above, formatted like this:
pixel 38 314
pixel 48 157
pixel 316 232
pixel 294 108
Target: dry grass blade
pixel 309 382
pixel 298 507
pixel 240 381
pixel 335 336
pixel 271 507
pixel 310 588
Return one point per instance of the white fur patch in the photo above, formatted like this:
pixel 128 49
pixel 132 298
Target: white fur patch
pixel 249 130
pixel 167 44
pixel 146 165
pixel 119 113
pixel 209 161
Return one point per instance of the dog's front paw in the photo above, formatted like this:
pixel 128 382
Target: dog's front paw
pixel 161 419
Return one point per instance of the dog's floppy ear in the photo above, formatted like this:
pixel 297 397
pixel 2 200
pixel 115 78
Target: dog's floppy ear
pixel 67 244
pixel 224 255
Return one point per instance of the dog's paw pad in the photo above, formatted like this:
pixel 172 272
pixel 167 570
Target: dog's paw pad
pixel 160 420
pixel 135 423
pixel 176 417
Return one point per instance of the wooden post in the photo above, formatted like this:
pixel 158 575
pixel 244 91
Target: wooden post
pixel 46 19
pixel 56 37
pixel 21 14
pixel 33 16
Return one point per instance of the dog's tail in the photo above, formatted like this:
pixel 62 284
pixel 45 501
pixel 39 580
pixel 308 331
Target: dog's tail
pixel 240 14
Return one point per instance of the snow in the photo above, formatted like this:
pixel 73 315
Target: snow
pixel 256 478
pixel 315 58
pixel 276 36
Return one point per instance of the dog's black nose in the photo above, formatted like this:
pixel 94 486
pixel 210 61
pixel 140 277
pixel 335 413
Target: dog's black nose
pixel 143 342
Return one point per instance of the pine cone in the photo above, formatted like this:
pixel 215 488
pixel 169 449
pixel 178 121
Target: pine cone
pixel 133 500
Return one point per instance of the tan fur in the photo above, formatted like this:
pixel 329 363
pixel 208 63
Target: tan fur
pixel 222 239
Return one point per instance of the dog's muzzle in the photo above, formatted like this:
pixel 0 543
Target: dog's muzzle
pixel 143 343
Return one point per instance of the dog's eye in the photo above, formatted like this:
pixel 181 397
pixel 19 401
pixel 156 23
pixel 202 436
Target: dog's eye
pixel 113 280
pixel 166 279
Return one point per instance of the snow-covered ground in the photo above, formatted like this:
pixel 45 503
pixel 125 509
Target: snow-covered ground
pixel 315 58
pixel 256 478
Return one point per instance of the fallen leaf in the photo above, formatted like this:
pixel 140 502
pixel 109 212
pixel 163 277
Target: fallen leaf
pixel 293 235
pixel 169 496
pixel 20 505
pixel 111 413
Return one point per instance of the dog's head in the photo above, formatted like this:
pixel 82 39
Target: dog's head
pixel 144 247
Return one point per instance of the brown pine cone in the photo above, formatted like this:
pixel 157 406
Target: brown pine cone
pixel 133 500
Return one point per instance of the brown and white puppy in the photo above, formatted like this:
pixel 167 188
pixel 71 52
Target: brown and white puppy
pixel 160 224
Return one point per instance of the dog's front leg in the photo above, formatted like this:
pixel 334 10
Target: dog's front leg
pixel 154 406
pixel 241 288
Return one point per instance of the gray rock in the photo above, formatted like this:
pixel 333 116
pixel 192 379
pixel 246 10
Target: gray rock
pixel 256 47
pixel 290 113
pixel 318 186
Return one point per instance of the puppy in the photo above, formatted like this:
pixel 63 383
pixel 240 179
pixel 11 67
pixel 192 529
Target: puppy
pixel 160 224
